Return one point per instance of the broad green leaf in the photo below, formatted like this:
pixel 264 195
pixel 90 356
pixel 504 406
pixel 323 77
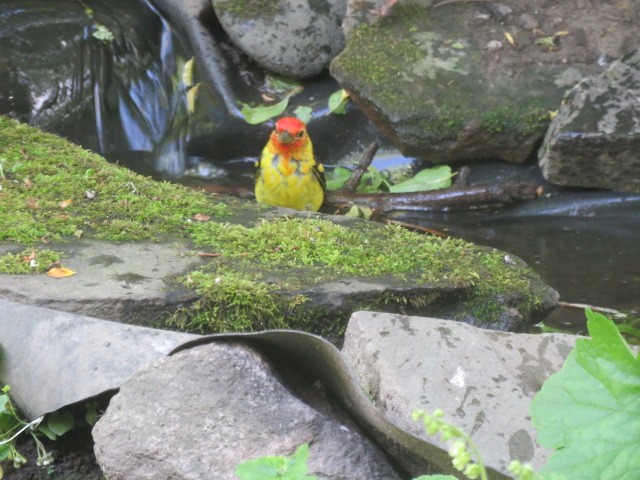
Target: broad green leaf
pixel 303 113
pixel 262 113
pixel 428 179
pixel 102 33
pixel 337 102
pixel 297 466
pixel 589 411
pixel 337 177
pixel 263 468
pixel 60 422
pixel 47 431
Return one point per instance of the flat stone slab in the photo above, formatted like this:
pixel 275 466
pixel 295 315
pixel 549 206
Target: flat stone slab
pixel 483 380
pixel 126 282
pixel 52 359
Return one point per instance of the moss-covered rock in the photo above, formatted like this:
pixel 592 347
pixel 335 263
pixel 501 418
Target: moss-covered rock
pixel 445 83
pixel 256 267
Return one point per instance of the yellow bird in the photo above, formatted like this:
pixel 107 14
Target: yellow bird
pixel 287 174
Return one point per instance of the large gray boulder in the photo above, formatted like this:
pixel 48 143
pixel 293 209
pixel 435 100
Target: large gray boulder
pixel 594 141
pixel 201 412
pixel 445 83
pixel 294 38
pixel 483 380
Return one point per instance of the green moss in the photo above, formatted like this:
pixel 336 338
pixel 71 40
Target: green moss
pixel 233 301
pixel 297 253
pixel 249 8
pixel 44 181
pixel 529 119
pixel 20 263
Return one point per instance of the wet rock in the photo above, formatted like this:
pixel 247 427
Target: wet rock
pixel 483 380
pixel 594 141
pixel 55 71
pixel 229 407
pixel 425 77
pixel 294 38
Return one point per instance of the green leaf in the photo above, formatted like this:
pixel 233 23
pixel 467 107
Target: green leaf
pixel 187 72
pixel 372 181
pixel 60 422
pixel 303 113
pixel 337 102
pixel 5 451
pixel 48 433
pixel 4 402
pixel 457 46
pixel 277 467
pixel 91 417
pixel 435 477
pixel 102 33
pixel 337 177
pixel 589 411
pixel 428 179
pixel 262 113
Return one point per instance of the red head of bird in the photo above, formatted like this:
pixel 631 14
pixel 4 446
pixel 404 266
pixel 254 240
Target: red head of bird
pixel 289 135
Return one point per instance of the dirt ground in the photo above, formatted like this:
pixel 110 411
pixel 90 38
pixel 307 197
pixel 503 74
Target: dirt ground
pixel 74 459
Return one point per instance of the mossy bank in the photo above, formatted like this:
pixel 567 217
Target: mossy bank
pixel 303 271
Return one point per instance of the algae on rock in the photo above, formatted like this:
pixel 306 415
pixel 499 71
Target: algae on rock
pixel 292 270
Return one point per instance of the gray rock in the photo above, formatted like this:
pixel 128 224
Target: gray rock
pixel 294 38
pixel 423 73
pixel 594 141
pixel 53 359
pixel 132 283
pixel 483 380
pixel 203 411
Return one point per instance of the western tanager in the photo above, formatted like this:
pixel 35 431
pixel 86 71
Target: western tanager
pixel 287 174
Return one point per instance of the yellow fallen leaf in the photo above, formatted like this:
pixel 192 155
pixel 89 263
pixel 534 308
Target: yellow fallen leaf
pixel 561 33
pixel 66 203
pixel 192 94
pixel 187 72
pixel 29 258
pixel 510 39
pixel 60 272
pixel 553 114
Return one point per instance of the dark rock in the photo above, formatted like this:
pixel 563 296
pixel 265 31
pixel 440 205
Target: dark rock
pixel 594 141
pixel 294 38
pixel 227 406
pixel 424 74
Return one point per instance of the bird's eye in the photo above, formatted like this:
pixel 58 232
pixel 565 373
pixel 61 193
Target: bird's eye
pixel 300 134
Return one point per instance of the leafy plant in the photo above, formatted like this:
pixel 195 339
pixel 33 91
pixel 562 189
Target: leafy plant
pixel 277 467
pixel 11 427
pixel 589 411
pixel 374 181
pixel 54 425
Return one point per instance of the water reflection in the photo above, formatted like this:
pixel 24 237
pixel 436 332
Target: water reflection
pixel 587 260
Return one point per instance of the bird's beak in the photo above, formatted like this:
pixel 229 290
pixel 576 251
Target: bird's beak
pixel 285 137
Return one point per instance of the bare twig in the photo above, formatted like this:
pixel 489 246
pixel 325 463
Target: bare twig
pixel 418 228
pixel 366 159
pixel 449 2
pixel 583 306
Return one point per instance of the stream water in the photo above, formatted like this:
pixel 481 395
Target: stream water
pixel 584 244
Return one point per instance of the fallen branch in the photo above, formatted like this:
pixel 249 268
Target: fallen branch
pixel 443 200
